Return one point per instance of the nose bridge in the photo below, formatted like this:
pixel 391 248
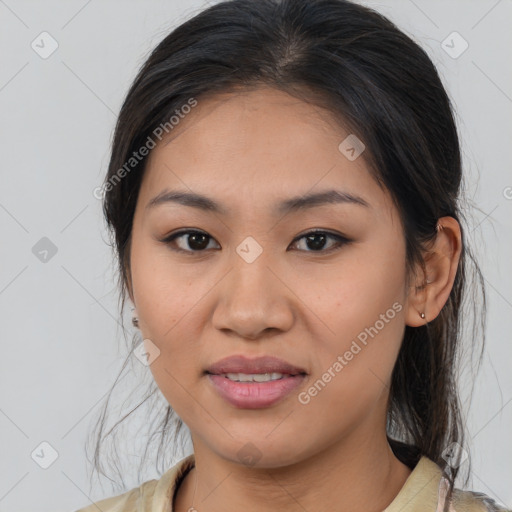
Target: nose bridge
pixel 250 268
pixel 251 300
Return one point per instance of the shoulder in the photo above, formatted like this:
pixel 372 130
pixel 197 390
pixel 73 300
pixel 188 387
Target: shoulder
pixel 466 501
pixel 471 501
pixel 151 496
pixel 133 500
pixel 427 490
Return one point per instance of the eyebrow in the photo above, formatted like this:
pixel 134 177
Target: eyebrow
pixel 293 204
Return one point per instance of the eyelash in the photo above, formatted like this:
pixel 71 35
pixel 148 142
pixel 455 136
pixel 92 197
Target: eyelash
pixel 341 240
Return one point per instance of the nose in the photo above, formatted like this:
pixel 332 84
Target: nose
pixel 253 299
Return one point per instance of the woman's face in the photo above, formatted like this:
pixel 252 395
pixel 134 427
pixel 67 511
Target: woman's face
pixel 252 284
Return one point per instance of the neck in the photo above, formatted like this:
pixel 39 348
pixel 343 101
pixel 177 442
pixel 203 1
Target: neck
pixel 356 474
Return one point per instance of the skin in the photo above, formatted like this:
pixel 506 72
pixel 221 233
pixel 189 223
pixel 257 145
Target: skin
pixel 248 151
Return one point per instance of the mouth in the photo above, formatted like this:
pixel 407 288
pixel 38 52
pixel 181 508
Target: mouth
pixel 254 383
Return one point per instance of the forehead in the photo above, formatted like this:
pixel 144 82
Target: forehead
pixel 256 146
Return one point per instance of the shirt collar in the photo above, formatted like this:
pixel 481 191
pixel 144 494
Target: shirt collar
pixel 419 493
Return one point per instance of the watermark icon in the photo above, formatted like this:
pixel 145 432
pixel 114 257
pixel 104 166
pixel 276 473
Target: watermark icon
pixel 454 45
pixel 304 397
pixel 249 454
pixel 143 151
pixel 454 455
pixel 507 193
pixel 44 250
pixel 44 455
pixel 44 45
pixel 249 249
pixel 351 147
pixel 146 352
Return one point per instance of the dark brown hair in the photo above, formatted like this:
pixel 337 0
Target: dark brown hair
pixel 381 85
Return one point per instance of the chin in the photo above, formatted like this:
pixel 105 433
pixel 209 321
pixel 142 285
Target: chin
pixel 258 452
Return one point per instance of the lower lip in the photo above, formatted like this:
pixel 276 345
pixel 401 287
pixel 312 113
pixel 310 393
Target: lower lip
pixel 254 395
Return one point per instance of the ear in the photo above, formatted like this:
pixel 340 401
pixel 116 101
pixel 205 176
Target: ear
pixel 428 294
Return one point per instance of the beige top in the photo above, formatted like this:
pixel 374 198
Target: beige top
pixel 423 491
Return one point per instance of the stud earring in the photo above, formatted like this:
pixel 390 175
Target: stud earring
pixel 422 314
pixel 135 319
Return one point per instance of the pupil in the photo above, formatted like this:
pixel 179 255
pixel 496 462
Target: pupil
pixel 193 239
pixel 316 245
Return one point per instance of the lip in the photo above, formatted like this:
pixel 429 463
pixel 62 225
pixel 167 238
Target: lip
pixel 255 395
pixel 262 364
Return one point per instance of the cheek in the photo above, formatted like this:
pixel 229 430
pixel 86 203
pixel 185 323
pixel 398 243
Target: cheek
pixel 352 294
pixel 172 323
pixel 352 371
pixel 167 303
pixel 361 308
pixel 163 293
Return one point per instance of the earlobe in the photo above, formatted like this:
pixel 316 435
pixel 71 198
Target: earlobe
pixel 135 318
pixel 429 294
pixel 416 304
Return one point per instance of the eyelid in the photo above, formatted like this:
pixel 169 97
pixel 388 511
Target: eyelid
pixel 170 238
pixel 341 240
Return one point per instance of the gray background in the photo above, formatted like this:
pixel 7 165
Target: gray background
pixel 61 343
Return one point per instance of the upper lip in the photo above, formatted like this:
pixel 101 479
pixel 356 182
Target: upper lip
pixel 264 364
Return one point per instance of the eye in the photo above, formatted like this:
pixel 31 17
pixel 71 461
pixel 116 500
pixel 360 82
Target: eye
pixel 197 240
pixel 317 240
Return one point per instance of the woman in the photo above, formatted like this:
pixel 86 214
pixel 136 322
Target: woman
pixel 283 196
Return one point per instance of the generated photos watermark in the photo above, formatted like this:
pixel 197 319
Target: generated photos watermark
pixel 341 361
pixel 137 156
